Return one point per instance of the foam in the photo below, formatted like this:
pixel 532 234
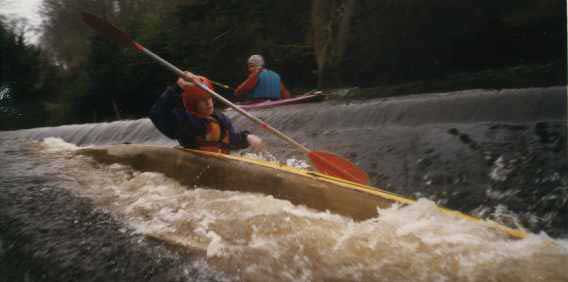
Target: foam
pixel 268 157
pixel 257 237
pixel 54 144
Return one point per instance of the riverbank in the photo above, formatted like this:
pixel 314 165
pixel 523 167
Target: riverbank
pixel 520 76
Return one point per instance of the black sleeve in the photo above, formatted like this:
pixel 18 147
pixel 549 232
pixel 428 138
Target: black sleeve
pixel 238 140
pixel 162 112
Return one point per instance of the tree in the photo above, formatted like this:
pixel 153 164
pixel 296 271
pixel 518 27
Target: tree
pixel 22 83
pixel 335 43
pixel 331 24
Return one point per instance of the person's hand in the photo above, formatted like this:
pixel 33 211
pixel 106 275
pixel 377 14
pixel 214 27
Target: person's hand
pixel 184 82
pixel 255 142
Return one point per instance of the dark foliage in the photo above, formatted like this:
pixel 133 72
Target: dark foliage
pixel 455 44
pixel 27 81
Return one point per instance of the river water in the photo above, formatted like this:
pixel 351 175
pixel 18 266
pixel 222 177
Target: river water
pixel 108 217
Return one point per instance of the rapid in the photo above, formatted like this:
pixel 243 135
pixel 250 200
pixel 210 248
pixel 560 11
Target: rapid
pixel 65 216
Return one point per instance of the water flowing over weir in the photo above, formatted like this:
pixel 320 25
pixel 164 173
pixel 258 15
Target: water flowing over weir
pixel 478 151
pixel 64 216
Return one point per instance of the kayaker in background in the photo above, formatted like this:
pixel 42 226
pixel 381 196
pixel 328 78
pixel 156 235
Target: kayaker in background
pixel 196 124
pixel 262 83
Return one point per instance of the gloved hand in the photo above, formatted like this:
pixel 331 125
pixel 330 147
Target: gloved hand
pixel 184 82
pixel 255 142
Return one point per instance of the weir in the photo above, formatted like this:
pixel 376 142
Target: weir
pixel 472 150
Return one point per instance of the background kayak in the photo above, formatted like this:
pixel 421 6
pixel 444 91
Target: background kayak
pixel 306 98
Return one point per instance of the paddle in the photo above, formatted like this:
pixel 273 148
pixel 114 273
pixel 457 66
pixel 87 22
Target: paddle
pixel 225 86
pixel 324 162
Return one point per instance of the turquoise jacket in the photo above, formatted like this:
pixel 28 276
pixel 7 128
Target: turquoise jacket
pixel 267 86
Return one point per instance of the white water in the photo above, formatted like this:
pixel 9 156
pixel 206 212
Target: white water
pixel 258 238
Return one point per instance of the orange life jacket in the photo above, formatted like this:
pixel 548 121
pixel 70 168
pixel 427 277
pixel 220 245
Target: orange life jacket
pixel 216 138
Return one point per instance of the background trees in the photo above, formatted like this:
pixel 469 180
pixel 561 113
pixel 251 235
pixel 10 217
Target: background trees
pixel 26 77
pixel 79 77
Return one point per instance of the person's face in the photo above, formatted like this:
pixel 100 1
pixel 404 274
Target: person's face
pixel 252 68
pixel 205 107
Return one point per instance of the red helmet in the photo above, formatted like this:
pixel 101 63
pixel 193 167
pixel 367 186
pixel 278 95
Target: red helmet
pixel 193 94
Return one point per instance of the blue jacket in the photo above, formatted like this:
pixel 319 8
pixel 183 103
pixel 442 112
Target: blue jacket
pixel 175 122
pixel 262 85
pixel 268 86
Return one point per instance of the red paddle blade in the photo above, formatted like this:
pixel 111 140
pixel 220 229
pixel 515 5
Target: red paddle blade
pixel 107 30
pixel 336 166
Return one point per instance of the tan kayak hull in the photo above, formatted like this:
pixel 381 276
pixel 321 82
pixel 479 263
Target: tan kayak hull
pixel 226 172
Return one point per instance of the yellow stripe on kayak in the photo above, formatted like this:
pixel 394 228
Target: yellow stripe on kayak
pixel 515 233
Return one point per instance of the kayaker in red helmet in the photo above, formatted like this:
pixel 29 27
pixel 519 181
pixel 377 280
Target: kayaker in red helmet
pixel 197 125
pixel 262 83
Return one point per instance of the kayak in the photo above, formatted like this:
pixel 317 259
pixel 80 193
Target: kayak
pixel 306 98
pixel 194 168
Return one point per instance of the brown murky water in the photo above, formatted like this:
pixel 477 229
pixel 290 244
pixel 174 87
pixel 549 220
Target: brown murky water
pixel 253 237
